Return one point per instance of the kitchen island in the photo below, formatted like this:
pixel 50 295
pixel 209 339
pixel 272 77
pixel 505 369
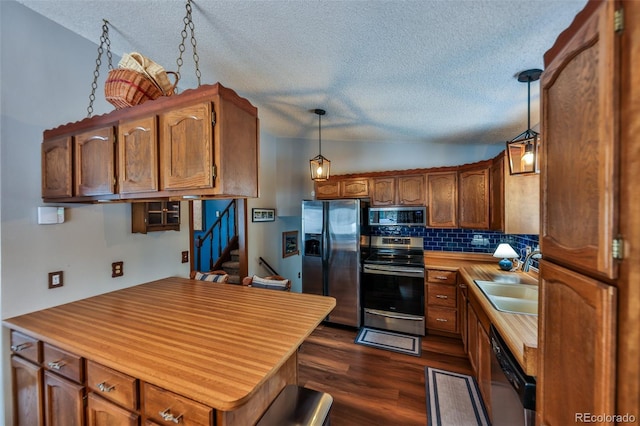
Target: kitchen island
pixel 225 350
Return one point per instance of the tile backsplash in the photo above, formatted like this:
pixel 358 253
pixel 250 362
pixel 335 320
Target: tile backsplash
pixel 462 240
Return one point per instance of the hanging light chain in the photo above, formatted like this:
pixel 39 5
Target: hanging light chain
pixel 104 41
pixel 188 22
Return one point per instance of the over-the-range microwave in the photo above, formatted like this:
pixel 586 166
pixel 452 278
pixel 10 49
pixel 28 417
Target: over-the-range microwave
pixel 401 216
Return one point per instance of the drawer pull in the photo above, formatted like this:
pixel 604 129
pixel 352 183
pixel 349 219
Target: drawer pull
pixel 104 387
pixel 56 365
pixel 441 296
pixel 168 417
pixel 441 319
pixel 441 277
pixel 20 347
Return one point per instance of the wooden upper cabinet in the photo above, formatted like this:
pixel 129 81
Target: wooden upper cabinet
pixel 354 188
pixel 203 142
pixel 474 199
pixel 383 191
pixel 497 194
pixel 57 168
pixel 186 148
pixel 442 189
pixel 411 191
pixel 398 191
pixel 579 173
pixel 577 328
pixel 515 200
pixel 327 189
pixel 342 188
pixel 236 141
pixel 138 155
pixel 95 162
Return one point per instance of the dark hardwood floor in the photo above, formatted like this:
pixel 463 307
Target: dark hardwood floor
pixel 373 386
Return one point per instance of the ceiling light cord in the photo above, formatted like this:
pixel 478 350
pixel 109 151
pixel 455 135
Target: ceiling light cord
pixel 319 133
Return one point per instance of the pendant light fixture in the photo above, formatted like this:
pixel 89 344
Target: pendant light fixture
pixel 523 149
pixel 320 166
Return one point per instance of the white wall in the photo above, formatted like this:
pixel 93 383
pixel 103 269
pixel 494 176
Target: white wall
pixel 46 80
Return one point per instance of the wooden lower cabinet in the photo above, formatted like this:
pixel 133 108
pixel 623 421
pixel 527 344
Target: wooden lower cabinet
pixel 27 385
pixel 441 301
pixel 63 400
pixel 462 315
pixel 577 329
pixel 101 412
pixel 53 387
pixel 484 366
pixel 479 349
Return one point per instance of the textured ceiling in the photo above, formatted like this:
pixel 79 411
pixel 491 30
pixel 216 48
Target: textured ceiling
pixel 389 70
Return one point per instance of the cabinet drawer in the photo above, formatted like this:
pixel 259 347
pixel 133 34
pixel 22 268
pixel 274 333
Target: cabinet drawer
pixel 166 407
pixel 442 277
pixel 442 319
pixel 442 295
pixel 25 346
pixel 113 385
pixel 64 363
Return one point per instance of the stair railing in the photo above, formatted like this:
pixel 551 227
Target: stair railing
pixel 266 265
pixel 215 231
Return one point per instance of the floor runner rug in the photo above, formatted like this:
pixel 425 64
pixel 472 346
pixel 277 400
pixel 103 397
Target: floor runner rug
pixel 453 399
pixel 396 342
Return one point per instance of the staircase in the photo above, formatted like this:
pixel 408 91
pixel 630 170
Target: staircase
pixel 218 247
pixel 232 267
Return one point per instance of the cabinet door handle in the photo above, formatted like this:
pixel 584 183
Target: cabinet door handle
pixel 56 365
pixel 168 417
pixel 441 319
pixel 20 347
pixel 104 387
pixel 441 296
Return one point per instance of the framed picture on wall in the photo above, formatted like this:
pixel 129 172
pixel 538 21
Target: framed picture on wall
pixel 290 243
pixel 263 215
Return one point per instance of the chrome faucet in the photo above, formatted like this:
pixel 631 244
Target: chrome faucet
pixel 527 260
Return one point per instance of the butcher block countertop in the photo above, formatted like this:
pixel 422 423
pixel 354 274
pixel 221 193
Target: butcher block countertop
pixel 520 332
pixel 213 343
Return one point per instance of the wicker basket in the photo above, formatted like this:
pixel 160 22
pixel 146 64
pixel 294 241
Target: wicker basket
pixel 125 88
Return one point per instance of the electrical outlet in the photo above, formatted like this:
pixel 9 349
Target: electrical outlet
pixel 55 279
pixel 527 250
pixel 185 256
pixel 117 269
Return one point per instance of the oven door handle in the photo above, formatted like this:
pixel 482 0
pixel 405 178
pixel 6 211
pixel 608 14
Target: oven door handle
pixel 394 316
pixel 387 270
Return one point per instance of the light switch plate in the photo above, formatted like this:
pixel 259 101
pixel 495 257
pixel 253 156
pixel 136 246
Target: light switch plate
pixel 56 279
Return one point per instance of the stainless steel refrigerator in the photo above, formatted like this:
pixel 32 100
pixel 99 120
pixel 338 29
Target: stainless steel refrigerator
pixel 331 255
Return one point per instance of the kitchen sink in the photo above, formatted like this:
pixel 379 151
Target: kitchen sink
pixel 512 298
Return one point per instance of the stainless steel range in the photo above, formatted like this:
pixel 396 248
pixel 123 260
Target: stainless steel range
pixel 392 284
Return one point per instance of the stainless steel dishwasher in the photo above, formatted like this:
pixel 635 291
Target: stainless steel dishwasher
pixel 513 393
